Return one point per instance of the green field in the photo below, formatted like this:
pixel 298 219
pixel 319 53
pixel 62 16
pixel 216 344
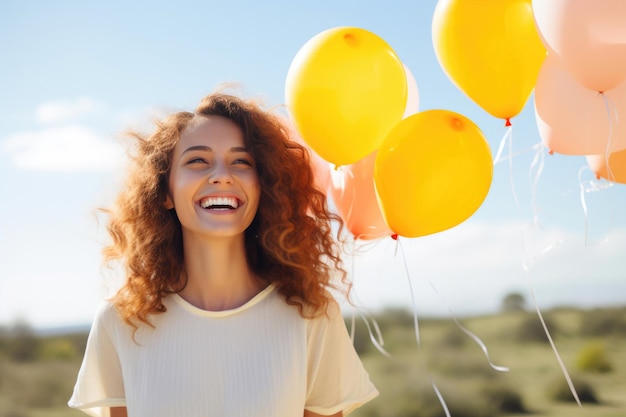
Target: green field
pixel 37 373
pixel 592 345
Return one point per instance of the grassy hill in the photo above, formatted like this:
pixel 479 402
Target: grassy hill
pixel 37 371
pixel 592 345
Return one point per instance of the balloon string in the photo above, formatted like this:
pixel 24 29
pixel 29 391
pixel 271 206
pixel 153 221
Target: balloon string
pixel 526 266
pixel 534 173
pixel 568 379
pixel 570 384
pixel 416 324
pixel 588 187
pixel 377 340
pixel 412 293
pixel 366 245
pixel 475 338
pixel 583 203
pixel 374 235
pixel 439 396
pixel 507 136
pixel 523 151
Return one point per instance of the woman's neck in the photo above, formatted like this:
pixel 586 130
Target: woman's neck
pixel 218 275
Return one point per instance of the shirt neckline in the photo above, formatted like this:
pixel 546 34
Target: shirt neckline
pixel 222 313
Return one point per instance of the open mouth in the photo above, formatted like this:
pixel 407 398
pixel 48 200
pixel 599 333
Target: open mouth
pixel 219 203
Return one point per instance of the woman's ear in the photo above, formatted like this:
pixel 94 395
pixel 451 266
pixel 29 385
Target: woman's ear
pixel 168 204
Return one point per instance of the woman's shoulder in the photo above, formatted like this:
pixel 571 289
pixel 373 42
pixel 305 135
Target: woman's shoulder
pixel 106 314
pixel 326 316
pixel 105 308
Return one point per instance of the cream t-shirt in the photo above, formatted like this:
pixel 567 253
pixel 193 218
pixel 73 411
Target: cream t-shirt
pixel 261 359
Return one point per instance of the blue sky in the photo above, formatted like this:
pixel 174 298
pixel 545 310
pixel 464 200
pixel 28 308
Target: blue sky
pixel 75 74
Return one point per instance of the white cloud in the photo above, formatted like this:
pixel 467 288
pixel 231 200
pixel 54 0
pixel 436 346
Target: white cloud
pixel 66 145
pixel 142 120
pixel 63 149
pixel 67 110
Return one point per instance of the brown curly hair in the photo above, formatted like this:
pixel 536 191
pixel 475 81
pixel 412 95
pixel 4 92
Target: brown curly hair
pixel 290 242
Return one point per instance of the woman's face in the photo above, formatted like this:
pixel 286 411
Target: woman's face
pixel 213 182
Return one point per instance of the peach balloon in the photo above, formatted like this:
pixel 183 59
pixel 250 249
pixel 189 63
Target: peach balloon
pixel 412 100
pixel 589 36
pixel 616 171
pixel 574 120
pixel 352 190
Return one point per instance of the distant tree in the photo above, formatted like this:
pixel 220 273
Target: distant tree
pixel 23 344
pixel 513 302
pixel 531 329
pixel 4 338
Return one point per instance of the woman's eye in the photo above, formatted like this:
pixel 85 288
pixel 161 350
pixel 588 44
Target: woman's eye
pixel 196 161
pixel 242 161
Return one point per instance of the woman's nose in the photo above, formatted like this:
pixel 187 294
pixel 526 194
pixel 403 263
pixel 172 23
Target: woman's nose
pixel 220 174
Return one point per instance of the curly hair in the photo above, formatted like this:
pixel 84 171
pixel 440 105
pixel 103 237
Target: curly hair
pixel 290 242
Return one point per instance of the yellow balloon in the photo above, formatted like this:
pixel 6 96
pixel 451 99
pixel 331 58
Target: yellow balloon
pixel 491 50
pixel 432 172
pixel 345 89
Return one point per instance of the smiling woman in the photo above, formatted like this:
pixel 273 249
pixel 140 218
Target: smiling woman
pixel 229 257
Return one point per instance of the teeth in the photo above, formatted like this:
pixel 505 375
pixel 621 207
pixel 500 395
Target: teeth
pixel 220 202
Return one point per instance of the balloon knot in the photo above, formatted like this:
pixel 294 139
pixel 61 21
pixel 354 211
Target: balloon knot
pixel 550 152
pixel 394 236
pixel 598 177
pixel 508 122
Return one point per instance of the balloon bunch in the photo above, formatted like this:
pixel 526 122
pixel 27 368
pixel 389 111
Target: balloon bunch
pixel 398 172
pixel 581 87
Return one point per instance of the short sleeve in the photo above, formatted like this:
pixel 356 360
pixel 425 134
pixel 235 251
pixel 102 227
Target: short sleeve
pixel 336 378
pixel 99 384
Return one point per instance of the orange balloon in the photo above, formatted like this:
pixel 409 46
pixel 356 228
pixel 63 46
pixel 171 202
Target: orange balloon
pixel 614 171
pixel 352 190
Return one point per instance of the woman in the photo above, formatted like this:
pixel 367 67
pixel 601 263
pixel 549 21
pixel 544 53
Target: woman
pixel 229 256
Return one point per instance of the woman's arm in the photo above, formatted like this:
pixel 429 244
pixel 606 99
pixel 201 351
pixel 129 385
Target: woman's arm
pixel 120 412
